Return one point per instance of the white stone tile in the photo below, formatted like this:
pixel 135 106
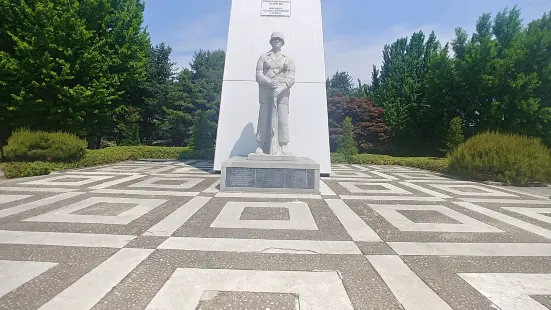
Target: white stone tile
pixel 190 170
pixel 419 175
pixel 389 189
pixel 145 192
pixel 11 198
pixel 535 213
pixel 37 204
pixel 13 274
pixel 176 219
pixel 511 291
pixel 319 290
pixel 152 182
pixel 118 181
pixel 391 198
pixel 467 224
pixel 521 192
pixel 408 288
pixel 212 188
pixel 55 180
pixel 64 239
pixel 64 215
pixel 384 175
pixel 266 195
pixel 137 168
pixel 349 174
pixel 507 219
pixel 358 179
pixel 484 191
pixel 425 190
pixel 92 287
pixel 354 225
pixel 326 190
pixel 36 189
pixel 509 201
pixel 471 249
pixel 299 214
pixel 260 246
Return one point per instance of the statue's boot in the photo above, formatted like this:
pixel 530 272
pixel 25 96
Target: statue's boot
pixel 259 151
pixel 285 149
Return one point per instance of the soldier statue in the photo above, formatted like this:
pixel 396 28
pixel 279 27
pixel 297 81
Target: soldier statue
pixel 275 74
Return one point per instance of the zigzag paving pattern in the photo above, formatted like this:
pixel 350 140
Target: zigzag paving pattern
pixel 159 235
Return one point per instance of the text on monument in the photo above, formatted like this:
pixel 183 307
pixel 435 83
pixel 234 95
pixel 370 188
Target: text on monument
pixel 276 8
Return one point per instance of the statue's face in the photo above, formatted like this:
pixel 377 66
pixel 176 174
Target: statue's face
pixel 277 42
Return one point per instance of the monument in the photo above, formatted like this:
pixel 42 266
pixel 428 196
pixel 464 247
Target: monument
pixel 273 131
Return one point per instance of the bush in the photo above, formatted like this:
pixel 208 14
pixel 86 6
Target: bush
pixel 106 156
pixel 507 158
pixel 27 145
pixel 428 163
pixel 347 143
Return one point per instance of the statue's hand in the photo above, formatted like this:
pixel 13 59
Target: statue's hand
pixel 274 84
pixel 278 91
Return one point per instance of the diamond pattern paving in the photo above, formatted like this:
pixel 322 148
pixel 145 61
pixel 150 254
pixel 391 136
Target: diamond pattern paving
pixel 159 235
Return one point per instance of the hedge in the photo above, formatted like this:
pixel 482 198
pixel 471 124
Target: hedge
pixel 104 156
pixel 429 163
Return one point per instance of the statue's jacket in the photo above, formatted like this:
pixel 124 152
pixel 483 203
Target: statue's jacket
pixel 269 69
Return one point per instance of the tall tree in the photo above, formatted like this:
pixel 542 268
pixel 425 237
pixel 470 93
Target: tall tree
pixel 340 84
pixel 70 65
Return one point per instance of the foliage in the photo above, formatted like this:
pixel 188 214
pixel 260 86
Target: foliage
pixel 340 84
pixel 370 131
pixel 498 79
pixel 428 163
pixel 347 143
pixel 69 65
pixel 508 158
pixel 103 157
pixel 202 139
pixel 27 145
pixel 455 135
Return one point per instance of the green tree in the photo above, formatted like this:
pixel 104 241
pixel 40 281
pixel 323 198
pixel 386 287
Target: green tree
pixel 202 139
pixel 340 84
pixel 455 136
pixel 70 65
pixel 347 143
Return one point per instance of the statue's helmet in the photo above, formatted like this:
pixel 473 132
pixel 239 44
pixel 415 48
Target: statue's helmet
pixel 277 35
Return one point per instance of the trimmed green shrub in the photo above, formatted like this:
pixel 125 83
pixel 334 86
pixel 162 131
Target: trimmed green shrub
pixel 507 158
pixel 347 143
pixel 428 163
pixel 27 145
pixel 105 156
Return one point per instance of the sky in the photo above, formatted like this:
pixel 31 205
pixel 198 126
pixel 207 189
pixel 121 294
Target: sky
pixel 355 31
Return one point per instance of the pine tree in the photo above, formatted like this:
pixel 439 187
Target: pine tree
pixel 202 139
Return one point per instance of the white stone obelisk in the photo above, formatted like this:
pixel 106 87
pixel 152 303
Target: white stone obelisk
pixel 251 24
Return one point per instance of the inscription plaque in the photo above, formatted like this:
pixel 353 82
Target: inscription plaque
pixel 299 178
pixel 270 178
pixel 276 8
pixel 240 177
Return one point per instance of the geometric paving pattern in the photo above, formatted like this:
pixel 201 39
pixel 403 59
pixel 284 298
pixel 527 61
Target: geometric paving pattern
pixel 160 235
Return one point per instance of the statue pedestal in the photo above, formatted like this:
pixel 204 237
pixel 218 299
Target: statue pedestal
pixel 271 174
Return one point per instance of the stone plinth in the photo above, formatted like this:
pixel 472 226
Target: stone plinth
pixel 242 174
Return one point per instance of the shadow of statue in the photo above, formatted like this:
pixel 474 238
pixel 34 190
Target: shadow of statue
pixel 246 143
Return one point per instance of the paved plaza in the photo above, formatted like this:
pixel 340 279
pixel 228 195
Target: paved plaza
pixel 159 235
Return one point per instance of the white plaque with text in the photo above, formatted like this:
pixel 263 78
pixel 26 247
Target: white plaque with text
pixel 276 8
